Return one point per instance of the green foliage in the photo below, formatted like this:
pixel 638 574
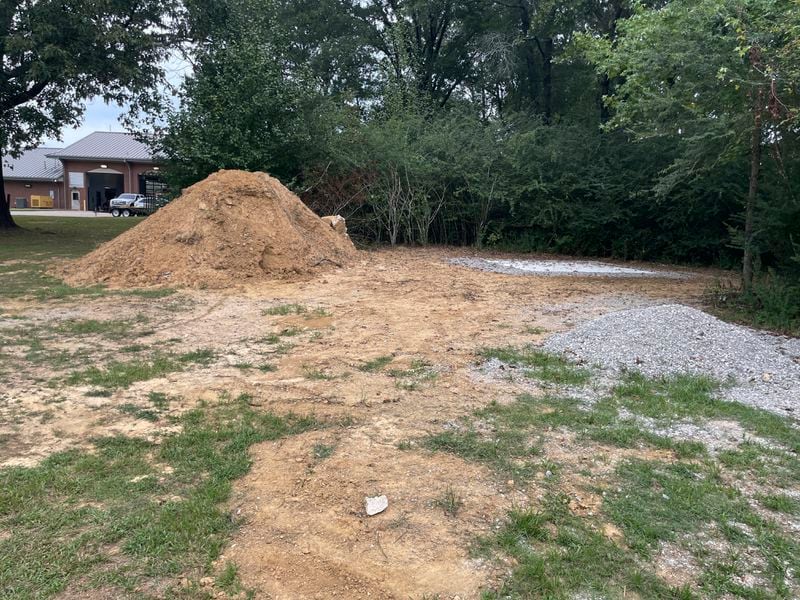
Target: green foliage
pixel 499 125
pixel 771 303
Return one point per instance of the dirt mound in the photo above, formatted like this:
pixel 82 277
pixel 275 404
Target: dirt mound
pixel 231 227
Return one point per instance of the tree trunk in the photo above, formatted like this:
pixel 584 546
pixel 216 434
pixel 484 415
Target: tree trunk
pixel 605 90
pixel 755 169
pixel 547 79
pixel 6 220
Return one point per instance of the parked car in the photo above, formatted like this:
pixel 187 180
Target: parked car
pixel 128 204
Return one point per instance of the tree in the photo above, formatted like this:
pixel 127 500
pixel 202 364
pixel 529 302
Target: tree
pixel 248 105
pixel 740 97
pixel 56 54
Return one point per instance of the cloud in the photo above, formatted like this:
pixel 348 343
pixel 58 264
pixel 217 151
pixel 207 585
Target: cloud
pixel 99 116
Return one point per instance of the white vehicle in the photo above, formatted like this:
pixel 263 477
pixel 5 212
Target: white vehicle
pixel 127 204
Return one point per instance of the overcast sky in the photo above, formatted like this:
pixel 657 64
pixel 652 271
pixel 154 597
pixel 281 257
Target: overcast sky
pixel 98 117
pixel 103 117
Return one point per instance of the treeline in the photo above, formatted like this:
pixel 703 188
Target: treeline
pixel 660 130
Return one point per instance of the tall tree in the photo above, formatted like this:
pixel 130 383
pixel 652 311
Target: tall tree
pixel 56 54
pixel 742 95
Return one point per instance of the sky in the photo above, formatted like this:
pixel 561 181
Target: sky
pixel 99 117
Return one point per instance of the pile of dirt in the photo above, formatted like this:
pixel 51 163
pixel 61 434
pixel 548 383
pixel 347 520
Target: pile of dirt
pixel 232 227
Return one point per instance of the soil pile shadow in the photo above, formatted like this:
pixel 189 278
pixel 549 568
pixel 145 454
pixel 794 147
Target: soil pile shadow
pixel 232 227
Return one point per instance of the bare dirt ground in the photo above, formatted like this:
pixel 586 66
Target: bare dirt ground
pixel 304 533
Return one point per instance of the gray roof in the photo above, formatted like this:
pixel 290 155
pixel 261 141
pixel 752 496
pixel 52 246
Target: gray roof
pixel 33 165
pixel 106 145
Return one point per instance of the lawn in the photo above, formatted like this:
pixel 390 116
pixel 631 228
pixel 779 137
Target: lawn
pixel 35 240
pixel 26 253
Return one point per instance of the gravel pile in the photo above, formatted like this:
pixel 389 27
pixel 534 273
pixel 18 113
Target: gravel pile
pixel 764 369
pixel 576 268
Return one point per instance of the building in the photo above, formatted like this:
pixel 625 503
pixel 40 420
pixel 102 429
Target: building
pixel 33 175
pixel 84 175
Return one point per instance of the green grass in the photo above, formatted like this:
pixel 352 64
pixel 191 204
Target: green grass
pixel 323 451
pixel 554 553
pixel 111 328
pixel 316 374
pixel 558 556
pixel 686 396
pixel 114 518
pixel 376 364
pixel 121 374
pixel 537 364
pixel 285 309
pixel 41 240
pixel 780 503
pixel 450 502
pixel 137 412
pixel 657 502
pixel 419 372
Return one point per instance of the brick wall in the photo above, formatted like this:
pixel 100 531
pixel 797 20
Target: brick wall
pixel 17 189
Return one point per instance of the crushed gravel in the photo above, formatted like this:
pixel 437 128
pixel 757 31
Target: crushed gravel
pixel 763 370
pixel 560 268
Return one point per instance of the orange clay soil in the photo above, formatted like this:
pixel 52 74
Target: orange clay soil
pixel 230 228
pixel 303 530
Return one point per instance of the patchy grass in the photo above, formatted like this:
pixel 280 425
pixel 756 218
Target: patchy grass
pixel 558 556
pixel 121 374
pixel 285 309
pixel 658 502
pixel 137 412
pixel 691 397
pixel 537 364
pixel 316 374
pixel 376 364
pixel 111 328
pixel 780 503
pixel 322 451
pixel 419 372
pixel 554 552
pixel 114 518
pixel 534 330
pixel 450 502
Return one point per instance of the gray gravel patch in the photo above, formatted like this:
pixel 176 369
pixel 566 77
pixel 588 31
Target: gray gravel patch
pixel 576 268
pixel 763 369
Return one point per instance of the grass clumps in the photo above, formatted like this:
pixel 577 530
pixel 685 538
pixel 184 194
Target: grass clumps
pixel 376 364
pixel 540 365
pixel 692 397
pixel 782 503
pixel 285 309
pixel 450 502
pixel 122 374
pixel 130 511
pixel 559 556
pixel 419 372
pixel 322 451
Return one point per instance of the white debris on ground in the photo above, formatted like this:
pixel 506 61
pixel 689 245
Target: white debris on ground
pixel 560 268
pixel 763 369
pixel 376 505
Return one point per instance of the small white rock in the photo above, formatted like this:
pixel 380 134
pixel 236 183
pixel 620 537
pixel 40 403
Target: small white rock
pixel 376 505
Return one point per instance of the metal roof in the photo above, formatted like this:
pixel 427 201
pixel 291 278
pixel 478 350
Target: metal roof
pixel 33 165
pixel 106 145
